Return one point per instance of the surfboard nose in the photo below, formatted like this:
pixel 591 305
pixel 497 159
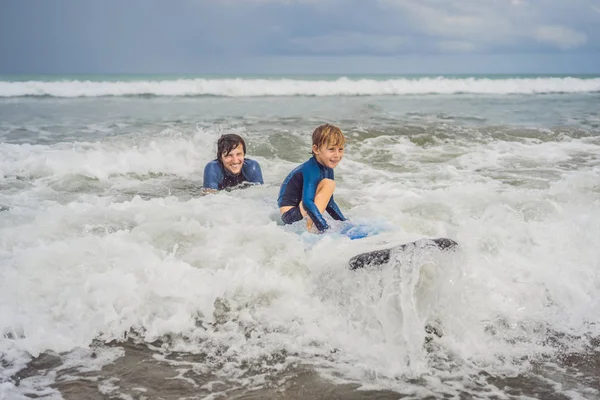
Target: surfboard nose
pixel 380 257
pixel 445 243
pixel 377 257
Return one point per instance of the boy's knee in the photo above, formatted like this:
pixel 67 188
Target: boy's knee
pixel 327 184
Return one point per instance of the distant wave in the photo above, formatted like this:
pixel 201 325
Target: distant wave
pixel 246 87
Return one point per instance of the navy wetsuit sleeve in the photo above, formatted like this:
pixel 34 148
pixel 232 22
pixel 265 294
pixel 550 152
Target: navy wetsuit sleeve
pixel 253 172
pixel 332 207
pixel 334 210
pixel 309 188
pixel 212 176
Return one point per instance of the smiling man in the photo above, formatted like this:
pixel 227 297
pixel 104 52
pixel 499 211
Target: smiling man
pixel 231 168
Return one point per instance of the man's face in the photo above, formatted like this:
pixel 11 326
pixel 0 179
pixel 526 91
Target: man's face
pixel 234 160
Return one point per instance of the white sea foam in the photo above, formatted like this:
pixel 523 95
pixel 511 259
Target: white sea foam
pixel 240 87
pixel 99 161
pixel 219 270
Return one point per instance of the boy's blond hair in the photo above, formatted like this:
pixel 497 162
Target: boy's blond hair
pixel 328 135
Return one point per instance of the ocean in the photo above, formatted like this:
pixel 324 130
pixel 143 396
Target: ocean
pixel 121 279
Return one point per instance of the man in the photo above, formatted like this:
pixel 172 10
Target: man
pixel 231 168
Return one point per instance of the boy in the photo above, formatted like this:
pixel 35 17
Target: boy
pixel 230 167
pixel 308 190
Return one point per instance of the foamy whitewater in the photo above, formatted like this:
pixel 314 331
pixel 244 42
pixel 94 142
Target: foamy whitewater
pixel 120 278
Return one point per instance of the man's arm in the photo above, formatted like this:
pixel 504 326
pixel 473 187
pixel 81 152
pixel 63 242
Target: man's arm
pixel 212 176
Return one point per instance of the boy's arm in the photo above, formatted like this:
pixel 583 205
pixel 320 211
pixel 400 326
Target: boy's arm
pixel 212 176
pixel 309 188
pixel 332 207
pixel 334 210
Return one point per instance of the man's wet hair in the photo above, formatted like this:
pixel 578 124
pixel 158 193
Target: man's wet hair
pixel 228 142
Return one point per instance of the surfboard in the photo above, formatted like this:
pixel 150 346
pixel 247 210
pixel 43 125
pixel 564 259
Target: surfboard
pixel 359 230
pixel 350 230
pixel 380 257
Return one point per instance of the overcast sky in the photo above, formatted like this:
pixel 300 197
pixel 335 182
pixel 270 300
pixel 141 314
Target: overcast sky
pixel 300 36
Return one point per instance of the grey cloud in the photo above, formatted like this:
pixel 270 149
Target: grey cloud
pixel 495 25
pixel 457 46
pixel 351 42
pixel 563 38
pixel 216 35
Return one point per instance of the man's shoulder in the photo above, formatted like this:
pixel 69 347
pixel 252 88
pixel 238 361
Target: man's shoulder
pixel 214 169
pixel 213 165
pixel 251 163
pixel 213 174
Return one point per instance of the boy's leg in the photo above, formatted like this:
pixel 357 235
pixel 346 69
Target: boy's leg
pixel 291 214
pixel 323 194
pixel 284 209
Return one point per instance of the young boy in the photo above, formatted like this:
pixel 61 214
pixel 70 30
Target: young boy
pixel 308 190
pixel 230 167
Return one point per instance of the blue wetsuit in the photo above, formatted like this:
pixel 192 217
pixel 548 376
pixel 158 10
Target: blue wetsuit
pixel 218 178
pixel 301 185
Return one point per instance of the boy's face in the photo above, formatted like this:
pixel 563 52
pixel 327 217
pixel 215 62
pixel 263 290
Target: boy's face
pixel 234 160
pixel 329 155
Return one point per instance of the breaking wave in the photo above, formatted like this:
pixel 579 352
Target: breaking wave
pixel 251 87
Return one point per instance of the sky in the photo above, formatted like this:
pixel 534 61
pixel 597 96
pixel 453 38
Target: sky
pixel 299 36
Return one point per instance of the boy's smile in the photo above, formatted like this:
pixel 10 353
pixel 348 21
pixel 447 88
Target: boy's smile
pixel 329 155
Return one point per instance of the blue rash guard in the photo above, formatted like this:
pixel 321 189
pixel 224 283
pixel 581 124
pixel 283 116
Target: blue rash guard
pixel 301 185
pixel 218 178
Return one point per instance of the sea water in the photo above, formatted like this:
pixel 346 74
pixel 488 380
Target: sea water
pixel 120 278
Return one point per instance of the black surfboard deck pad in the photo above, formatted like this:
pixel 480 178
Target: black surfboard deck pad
pixel 380 257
